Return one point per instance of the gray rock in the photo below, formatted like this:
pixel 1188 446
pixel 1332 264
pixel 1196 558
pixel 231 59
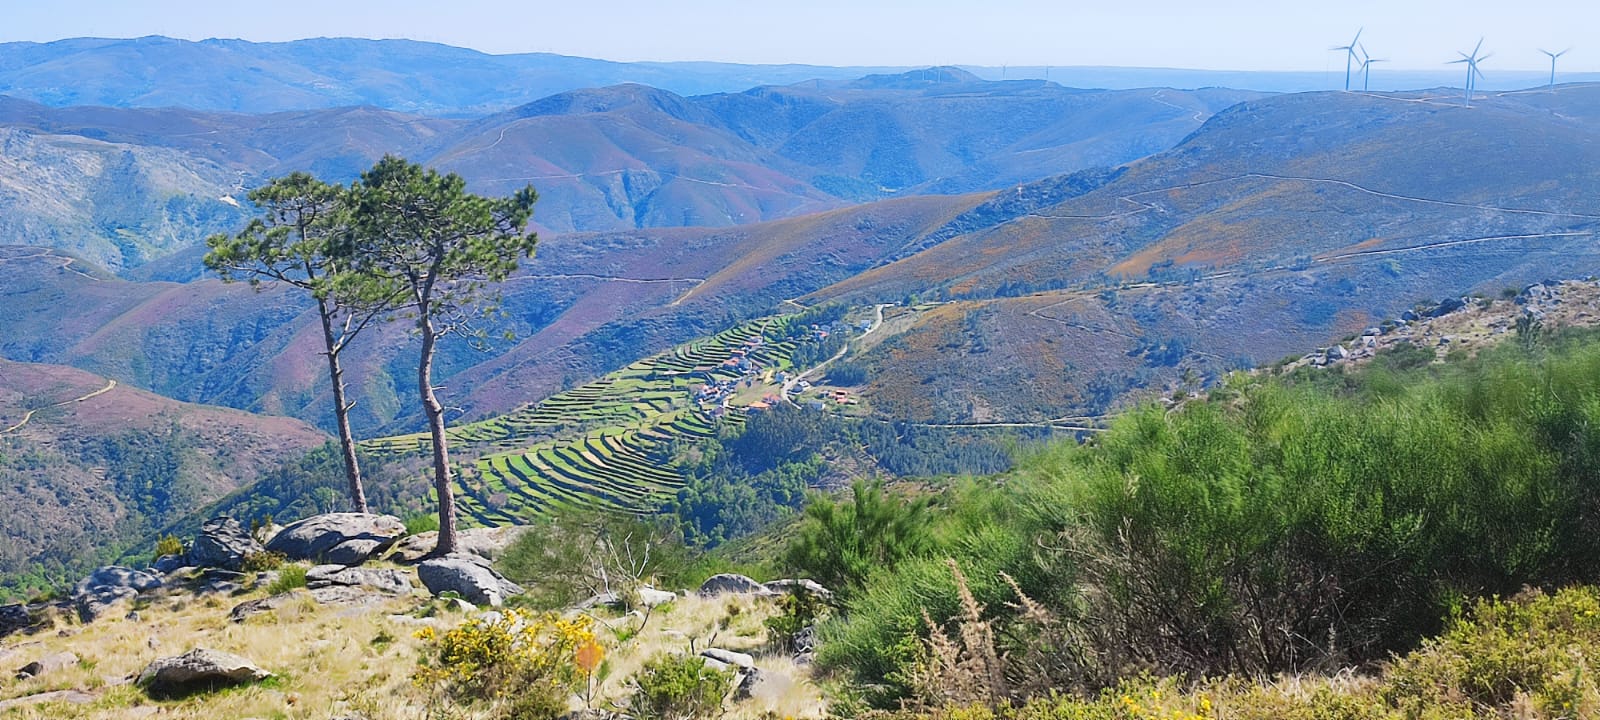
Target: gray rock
pixel 484 542
pixel 14 618
pixel 116 576
pixel 75 697
pixel 392 582
pixel 166 564
pixel 315 537
pixel 809 587
pixel 346 595
pixel 467 576
pixel 727 583
pixel 745 684
pixel 651 597
pixel 47 664
pixel 223 543
pixel 354 552
pixel 729 657
pixel 249 609
pixel 95 603
pixel 197 670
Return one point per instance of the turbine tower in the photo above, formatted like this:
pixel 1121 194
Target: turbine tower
pixel 1366 69
pixel 1349 56
pixel 1473 73
pixel 1553 58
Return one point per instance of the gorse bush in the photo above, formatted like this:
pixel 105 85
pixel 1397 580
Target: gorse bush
pixel 514 664
pixel 679 687
pixel 1288 525
pixel 168 545
pixel 840 543
pixel 1529 657
pixel 263 561
pixel 289 578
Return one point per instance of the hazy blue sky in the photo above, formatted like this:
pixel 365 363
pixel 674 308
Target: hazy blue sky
pixel 1211 34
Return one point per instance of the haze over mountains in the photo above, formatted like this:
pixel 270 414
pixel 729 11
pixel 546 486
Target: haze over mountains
pixel 125 186
pixel 1284 222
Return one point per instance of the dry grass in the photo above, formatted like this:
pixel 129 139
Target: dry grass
pixel 334 660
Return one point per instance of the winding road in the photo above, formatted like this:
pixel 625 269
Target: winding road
pixel 110 385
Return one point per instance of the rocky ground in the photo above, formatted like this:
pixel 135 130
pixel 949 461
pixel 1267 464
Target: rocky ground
pixel 1470 324
pixel 202 635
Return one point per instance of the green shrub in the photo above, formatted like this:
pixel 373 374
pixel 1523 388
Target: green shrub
pixel 516 665
pixel 840 543
pixel 289 578
pixel 797 611
pixel 679 687
pixel 168 545
pixel 263 561
pixel 1319 521
pixel 417 523
pixel 574 554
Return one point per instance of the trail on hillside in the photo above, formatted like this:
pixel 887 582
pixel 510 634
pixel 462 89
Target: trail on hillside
pixel 110 385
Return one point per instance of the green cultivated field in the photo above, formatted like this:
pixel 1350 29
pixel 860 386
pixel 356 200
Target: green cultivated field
pixel 602 444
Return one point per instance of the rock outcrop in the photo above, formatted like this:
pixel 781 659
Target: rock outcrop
pixel 469 576
pixel 389 582
pixel 728 583
pixel 198 670
pixel 809 587
pixel 104 588
pixel 223 543
pixel 47 664
pixel 484 542
pixel 345 538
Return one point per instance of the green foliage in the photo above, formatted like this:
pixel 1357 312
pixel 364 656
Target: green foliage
pixel 840 543
pixel 423 238
pixel 264 561
pixel 516 665
pixel 679 687
pixel 304 240
pixel 1318 521
pixel 749 478
pixel 573 554
pixel 168 545
pixel 420 523
pixel 1528 657
pixel 797 611
pixel 290 577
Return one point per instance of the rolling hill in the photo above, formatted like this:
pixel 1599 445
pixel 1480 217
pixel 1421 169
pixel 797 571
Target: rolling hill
pixel 88 465
pixel 1281 224
pixel 127 186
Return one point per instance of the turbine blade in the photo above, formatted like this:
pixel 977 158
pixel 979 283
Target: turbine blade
pixel 1479 47
pixel 1358 36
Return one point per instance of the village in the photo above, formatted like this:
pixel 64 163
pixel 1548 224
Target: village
pixel 745 382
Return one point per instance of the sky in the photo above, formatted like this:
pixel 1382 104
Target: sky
pixel 1202 34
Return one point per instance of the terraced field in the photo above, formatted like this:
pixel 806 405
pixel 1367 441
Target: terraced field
pixel 603 444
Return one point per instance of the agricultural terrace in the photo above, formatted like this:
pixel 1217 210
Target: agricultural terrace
pixel 605 444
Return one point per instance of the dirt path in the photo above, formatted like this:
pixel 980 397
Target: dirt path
pixel 110 385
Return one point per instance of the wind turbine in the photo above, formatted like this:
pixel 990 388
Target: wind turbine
pixel 1366 68
pixel 1553 57
pixel 1349 56
pixel 1473 73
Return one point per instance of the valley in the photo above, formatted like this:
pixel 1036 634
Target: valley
pixel 1024 400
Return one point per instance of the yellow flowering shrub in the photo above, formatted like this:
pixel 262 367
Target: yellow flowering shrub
pixel 519 664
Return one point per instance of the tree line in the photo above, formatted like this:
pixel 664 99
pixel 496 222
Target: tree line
pixel 401 243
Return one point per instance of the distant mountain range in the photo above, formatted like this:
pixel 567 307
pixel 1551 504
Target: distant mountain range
pixel 1284 222
pixel 123 187
pixel 432 79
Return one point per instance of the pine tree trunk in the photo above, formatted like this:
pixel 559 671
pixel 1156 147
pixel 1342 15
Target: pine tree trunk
pixel 341 413
pixel 441 451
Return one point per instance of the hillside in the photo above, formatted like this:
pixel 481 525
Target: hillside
pixel 88 465
pixel 126 186
pixel 1281 224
